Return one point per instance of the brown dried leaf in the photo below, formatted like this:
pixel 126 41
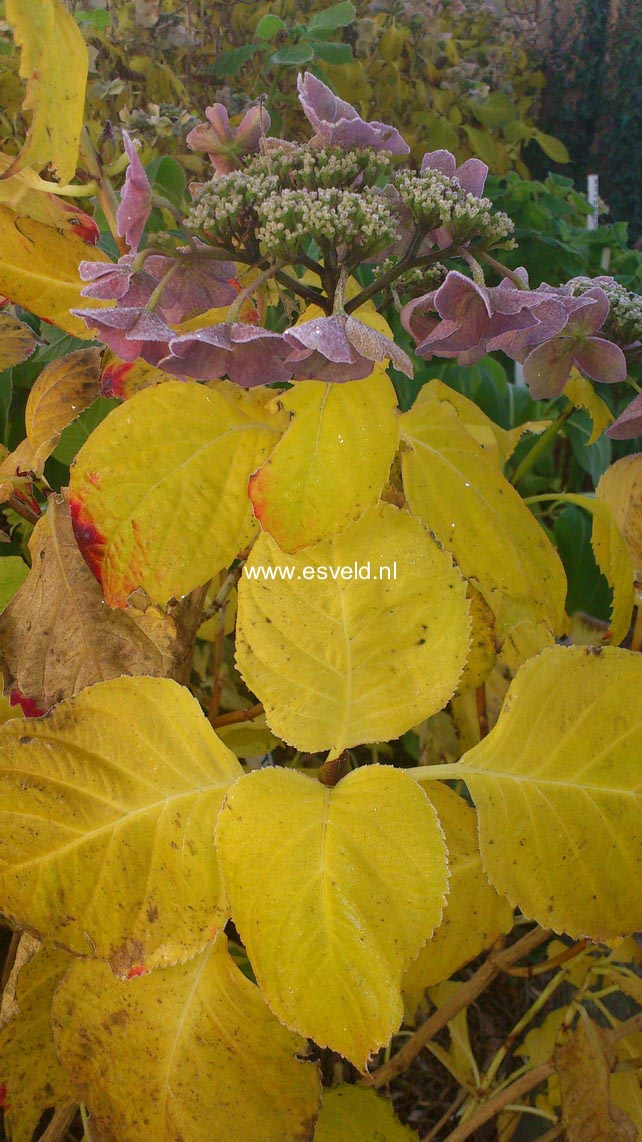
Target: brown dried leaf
pixel 57 636
pixel 583 1062
pixel 64 388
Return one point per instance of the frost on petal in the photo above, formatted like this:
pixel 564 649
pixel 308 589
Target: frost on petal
pixel 589 312
pixel 460 297
pixel 548 366
pixel 418 316
pixel 213 134
pixel 340 348
pixel 247 355
pixel 196 286
pixel 375 346
pixel 129 332
pixel 224 145
pixel 136 201
pixel 325 335
pixel 472 176
pixel 337 123
pixel 629 423
pixel 107 281
pixel 601 360
pixel 254 125
pixel 442 161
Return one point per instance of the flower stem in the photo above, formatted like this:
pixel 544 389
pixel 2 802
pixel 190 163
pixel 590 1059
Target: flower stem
pixel 540 446
pixel 503 270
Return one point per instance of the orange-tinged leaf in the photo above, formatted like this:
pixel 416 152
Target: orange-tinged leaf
pixel 158 493
pixel 333 914
pixel 190 1052
pixel 331 464
pixel 121 863
pixel 64 388
pixel 54 63
pixel 39 270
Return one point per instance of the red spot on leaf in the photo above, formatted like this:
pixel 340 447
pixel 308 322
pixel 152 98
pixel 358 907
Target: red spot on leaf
pixel 138 969
pixel 4 1104
pixel 23 497
pixel 29 706
pixel 81 223
pixel 112 382
pixel 90 540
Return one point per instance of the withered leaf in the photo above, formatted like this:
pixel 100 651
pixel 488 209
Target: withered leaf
pixel 583 1062
pixel 64 388
pixel 57 636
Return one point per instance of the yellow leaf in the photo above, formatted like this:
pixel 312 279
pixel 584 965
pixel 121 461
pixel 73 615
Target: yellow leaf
pixel 557 788
pixel 621 488
pixel 332 915
pixel 614 561
pixel 582 394
pixel 331 464
pixel 482 654
pixel 354 1114
pixel 189 1052
pixel 54 62
pixel 39 270
pixel 57 636
pixel 248 739
pixel 29 1069
pixel 64 388
pixel 338 660
pixel 17 341
pixel 475 914
pixel 108 811
pixel 499 443
pixel 30 196
pixel 158 493
pixel 475 513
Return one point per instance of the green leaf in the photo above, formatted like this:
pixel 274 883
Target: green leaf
pixel 587 587
pixel 228 63
pixel 552 147
pixel 98 19
pixel 13 572
pixel 292 55
pixel 337 16
pixel 269 26
pixel 592 458
pixel 331 53
pixel 76 434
